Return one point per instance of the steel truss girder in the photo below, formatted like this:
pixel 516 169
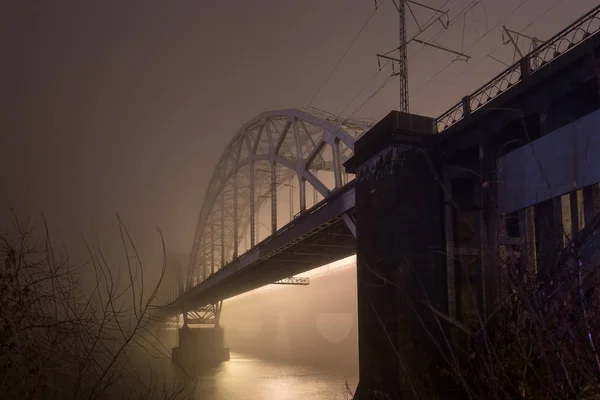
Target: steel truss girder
pixel 208 314
pixel 293 280
pixel 292 142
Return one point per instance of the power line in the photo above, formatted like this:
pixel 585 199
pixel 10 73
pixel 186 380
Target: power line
pixel 470 47
pixel 490 54
pixel 402 59
pixel 461 13
pixel 387 62
pixel 372 95
pixel 465 9
pixel 363 88
pixel 345 53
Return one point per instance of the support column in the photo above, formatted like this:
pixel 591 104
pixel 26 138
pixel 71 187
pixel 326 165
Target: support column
pixel 252 220
pixel 491 248
pixel 548 234
pixel 291 201
pixel 273 198
pixel 450 245
pixel 574 203
pixel 212 246
pixel 222 229
pixel 203 262
pixel 236 243
pixel 591 202
pixel 302 193
pixel 200 346
pixel 400 264
pixel 337 163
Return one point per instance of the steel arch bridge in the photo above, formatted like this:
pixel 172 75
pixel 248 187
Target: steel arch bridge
pixel 277 166
pixel 300 149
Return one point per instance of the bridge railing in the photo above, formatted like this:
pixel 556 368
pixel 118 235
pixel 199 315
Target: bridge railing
pixel 559 44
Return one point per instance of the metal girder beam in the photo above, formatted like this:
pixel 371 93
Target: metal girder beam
pixel 208 314
pixel 314 153
pixel 337 163
pixel 201 321
pixel 293 280
pixel 330 246
pixel 282 137
pixel 350 223
pixel 553 165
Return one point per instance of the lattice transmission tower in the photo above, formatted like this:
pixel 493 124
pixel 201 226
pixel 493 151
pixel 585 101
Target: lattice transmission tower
pixel 400 62
pixel 403 67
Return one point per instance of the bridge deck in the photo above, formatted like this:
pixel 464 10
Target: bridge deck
pixel 317 237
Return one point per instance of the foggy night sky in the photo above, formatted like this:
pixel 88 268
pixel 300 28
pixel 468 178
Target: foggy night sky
pixel 125 106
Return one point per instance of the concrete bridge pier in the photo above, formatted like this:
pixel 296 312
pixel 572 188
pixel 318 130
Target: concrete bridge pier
pixel 400 269
pixel 200 346
pixel 201 339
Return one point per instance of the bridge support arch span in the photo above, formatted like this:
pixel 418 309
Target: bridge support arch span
pixel 277 166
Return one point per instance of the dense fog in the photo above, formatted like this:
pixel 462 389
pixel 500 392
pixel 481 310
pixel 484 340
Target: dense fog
pixel 314 323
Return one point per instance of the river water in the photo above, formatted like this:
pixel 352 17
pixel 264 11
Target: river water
pixel 289 342
pixel 247 377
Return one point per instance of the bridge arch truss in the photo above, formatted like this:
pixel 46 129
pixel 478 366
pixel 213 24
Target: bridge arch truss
pixel 277 165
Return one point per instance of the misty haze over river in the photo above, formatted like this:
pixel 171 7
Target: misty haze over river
pixel 290 342
pixel 254 377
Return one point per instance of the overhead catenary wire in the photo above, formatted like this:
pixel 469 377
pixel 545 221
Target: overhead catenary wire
pixel 381 68
pixel 364 87
pixel 470 47
pixel 491 53
pixel 461 13
pixel 465 10
pixel 371 96
pixel 346 51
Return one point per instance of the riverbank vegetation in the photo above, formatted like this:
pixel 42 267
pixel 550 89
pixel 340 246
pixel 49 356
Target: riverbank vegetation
pixel 538 339
pixel 61 338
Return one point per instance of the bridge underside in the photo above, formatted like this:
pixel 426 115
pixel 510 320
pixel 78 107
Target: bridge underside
pixel 325 245
pixel 319 236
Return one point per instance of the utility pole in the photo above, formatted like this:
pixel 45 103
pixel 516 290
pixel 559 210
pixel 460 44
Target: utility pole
pixel 402 60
